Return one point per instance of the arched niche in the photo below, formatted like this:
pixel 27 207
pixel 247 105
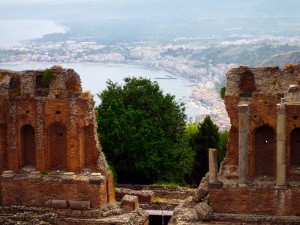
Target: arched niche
pixel 57 144
pixel 265 152
pixel 28 146
pixel 295 148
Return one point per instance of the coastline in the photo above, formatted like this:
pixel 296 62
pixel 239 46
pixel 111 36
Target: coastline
pixel 199 99
pixel 192 111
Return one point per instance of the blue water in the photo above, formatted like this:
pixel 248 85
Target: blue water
pixel 95 75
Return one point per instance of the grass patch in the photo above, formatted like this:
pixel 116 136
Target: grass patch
pixel 170 184
pixel 157 199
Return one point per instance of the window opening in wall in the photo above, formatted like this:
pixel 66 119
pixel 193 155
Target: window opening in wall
pixel 57 112
pixel 265 152
pixel 57 147
pixel 295 149
pixel 28 147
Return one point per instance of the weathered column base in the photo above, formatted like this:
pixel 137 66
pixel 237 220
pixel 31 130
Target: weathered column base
pixel 216 185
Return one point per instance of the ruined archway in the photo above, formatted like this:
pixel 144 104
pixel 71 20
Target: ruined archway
pixel 295 148
pixel 28 146
pixel 57 146
pixel 265 152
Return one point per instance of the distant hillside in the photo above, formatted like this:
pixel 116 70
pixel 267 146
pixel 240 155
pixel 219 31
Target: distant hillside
pixel 282 59
pixel 115 21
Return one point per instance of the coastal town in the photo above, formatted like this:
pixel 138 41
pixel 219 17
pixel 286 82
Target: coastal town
pixel 174 59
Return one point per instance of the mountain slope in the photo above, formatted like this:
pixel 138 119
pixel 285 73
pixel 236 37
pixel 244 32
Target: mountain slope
pixel 282 59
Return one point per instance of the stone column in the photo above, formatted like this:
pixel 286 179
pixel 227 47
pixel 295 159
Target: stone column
pixel 213 165
pixel 213 169
pixel 281 166
pixel 243 142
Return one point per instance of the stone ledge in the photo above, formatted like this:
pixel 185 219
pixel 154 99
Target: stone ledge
pixel 144 196
pixel 15 214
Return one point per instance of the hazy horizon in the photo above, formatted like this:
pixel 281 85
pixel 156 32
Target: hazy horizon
pixel 116 21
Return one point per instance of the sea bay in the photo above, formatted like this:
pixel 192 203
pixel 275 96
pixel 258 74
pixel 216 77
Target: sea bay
pixel 95 75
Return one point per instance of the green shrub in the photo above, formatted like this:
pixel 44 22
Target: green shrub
pixel 48 76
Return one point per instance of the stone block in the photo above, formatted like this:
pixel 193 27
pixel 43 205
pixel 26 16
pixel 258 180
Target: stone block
pixel 68 177
pixel 35 176
pixel 7 175
pixel 96 178
pixel 81 205
pixel 57 204
pixel 130 203
pixel 144 196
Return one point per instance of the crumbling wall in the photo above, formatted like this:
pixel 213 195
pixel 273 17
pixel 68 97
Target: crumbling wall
pixel 44 114
pixel 262 89
pixel 255 199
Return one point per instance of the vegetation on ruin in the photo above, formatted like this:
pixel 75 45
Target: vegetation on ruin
pixel 157 199
pixel 48 76
pixel 222 92
pixel 142 133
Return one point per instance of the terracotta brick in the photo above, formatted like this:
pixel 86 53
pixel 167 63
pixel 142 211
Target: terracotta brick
pixel 261 89
pixel 49 127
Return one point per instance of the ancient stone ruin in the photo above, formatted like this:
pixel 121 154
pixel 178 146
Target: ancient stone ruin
pixel 259 180
pixel 49 151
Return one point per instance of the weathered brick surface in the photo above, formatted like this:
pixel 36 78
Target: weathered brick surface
pixel 49 126
pixel 261 89
pixel 22 191
pixel 270 84
pixel 255 200
pixel 110 188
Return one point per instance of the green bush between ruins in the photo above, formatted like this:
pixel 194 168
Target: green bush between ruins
pixel 205 135
pixel 146 140
pixel 48 76
pixel 142 133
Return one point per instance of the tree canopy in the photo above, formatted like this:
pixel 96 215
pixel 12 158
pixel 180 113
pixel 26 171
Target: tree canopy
pixel 142 132
pixel 206 137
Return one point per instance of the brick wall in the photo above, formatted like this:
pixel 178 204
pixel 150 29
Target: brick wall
pixel 269 86
pixel 23 191
pixel 255 200
pixel 49 127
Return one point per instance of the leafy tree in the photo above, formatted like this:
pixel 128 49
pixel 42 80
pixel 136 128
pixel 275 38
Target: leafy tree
pixel 191 129
pixel 206 137
pixel 142 132
pixel 223 146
